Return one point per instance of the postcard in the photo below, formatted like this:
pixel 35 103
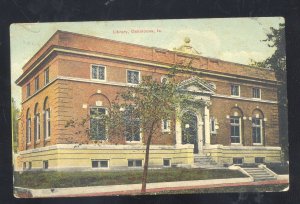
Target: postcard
pixel 149 107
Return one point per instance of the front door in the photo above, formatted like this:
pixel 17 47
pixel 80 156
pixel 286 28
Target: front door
pixel 189 130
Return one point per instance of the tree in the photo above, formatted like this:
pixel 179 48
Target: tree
pixel 140 108
pixel 14 117
pixel 277 62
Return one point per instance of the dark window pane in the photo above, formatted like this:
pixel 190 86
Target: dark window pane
pixel 95 164
pixel 138 162
pixel 130 163
pixel 104 163
pixel 166 162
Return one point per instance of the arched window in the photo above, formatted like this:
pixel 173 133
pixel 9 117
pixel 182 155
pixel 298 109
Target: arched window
pixel 257 127
pixel 37 128
pixel 47 123
pixel 28 126
pixel 236 116
pixel 97 123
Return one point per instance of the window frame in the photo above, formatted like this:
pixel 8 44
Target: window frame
pixel 37 127
pixel 46 76
pixel 28 130
pixel 105 131
pixel 36 83
pixel 213 122
pixel 134 163
pixel 168 125
pixel 169 160
pixel 235 158
pixel 256 158
pixel 91 72
pixel 239 90
pixel 45 164
pixel 132 136
pixel 28 94
pixel 240 129
pixel 261 130
pixel 253 92
pixel 99 163
pixel 131 70
pixel 47 124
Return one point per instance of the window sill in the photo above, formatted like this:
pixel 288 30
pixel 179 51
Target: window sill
pixel 133 142
pixel 236 144
pixel 257 144
pixel 37 142
pixel 28 143
pixel 47 139
pixel 102 80
pixel 166 131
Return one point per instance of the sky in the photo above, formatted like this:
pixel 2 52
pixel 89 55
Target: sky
pixel 230 39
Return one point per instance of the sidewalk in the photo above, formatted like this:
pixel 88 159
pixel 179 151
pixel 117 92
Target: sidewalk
pixel 132 189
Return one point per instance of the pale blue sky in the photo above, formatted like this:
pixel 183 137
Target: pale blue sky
pixel 232 39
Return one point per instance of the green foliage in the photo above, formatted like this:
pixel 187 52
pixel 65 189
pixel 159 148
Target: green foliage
pixel 275 39
pixel 102 178
pixel 277 62
pixel 14 117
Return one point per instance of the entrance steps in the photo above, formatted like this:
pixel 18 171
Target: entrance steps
pixel 259 174
pixel 205 162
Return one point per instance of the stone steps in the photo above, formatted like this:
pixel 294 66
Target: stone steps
pixel 259 174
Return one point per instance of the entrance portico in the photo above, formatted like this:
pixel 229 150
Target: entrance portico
pixel 193 127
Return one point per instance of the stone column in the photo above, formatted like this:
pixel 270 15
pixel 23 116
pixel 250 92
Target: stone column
pixel 206 125
pixel 178 132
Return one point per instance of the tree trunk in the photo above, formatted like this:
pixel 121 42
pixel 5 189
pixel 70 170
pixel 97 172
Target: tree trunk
pixel 145 172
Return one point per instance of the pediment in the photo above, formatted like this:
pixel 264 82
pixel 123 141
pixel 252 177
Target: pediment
pixel 197 85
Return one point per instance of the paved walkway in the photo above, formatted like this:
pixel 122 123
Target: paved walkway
pixel 133 189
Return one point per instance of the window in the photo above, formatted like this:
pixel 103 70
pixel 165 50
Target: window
pixel 45 164
pixel 28 127
pixel 24 165
pixel 213 125
pixel 36 123
pixel 133 77
pixel 132 125
pixel 47 121
pixel 28 90
pixel 97 123
pixel 257 130
pixel 36 83
pixel 238 160
pixel 98 72
pixel 256 92
pixel 166 125
pixel 99 163
pixel 259 160
pixel 166 162
pixel 29 165
pixel 135 163
pixel 46 74
pixel 235 90
pixel 235 129
pixel 164 79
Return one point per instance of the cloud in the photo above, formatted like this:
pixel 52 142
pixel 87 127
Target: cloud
pixel 243 56
pixel 206 42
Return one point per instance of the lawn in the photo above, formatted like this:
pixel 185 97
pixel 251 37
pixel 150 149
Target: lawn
pixel 279 168
pixel 53 179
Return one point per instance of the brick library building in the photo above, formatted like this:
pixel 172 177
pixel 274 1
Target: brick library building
pixel 234 119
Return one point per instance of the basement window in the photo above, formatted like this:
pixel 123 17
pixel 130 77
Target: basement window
pixel 29 165
pixel 24 165
pixel 167 162
pixel 45 164
pixel 259 160
pixel 99 163
pixel 134 163
pixel 238 160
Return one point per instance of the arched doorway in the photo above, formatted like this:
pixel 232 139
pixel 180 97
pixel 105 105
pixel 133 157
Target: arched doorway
pixel 189 130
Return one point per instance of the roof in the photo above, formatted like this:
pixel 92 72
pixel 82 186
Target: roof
pixel 92 44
